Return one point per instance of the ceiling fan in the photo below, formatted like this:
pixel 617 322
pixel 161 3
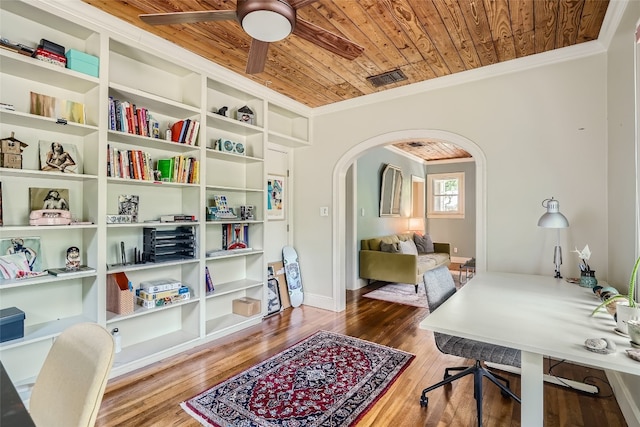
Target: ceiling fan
pixel 265 21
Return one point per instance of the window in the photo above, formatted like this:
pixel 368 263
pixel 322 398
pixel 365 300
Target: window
pixel 445 198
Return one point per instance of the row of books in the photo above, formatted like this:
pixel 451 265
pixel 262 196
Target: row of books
pixel 179 169
pixel 131 164
pixel 127 117
pixel 185 131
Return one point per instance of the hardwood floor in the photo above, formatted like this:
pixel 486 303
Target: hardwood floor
pixel 151 396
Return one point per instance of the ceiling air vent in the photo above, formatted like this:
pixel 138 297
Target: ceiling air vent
pixel 387 78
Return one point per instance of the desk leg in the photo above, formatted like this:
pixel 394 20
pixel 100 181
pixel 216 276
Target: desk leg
pixel 532 411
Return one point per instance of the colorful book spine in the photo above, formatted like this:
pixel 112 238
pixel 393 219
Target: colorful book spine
pixel 208 281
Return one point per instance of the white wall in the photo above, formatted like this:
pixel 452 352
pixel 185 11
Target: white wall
pixel 622 195
pixel 543 132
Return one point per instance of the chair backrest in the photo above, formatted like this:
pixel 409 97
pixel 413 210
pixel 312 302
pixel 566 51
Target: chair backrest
pixel 69 388
pixel 439 286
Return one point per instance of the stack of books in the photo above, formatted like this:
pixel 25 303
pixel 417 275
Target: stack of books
pixel 161 292
pixel 51 52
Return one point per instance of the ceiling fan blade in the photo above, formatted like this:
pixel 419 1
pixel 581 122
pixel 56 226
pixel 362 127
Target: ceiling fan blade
pixel 327 40
pixel 188 17
pixel 257 56
pixel 297 4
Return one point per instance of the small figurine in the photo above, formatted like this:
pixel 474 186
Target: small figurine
pixel 73 258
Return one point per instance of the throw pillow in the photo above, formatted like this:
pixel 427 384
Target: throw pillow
pixel 408 247
pixel 424 243
pixel 389 247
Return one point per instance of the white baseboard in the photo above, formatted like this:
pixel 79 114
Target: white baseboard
pixel 628 405
pixel 318 301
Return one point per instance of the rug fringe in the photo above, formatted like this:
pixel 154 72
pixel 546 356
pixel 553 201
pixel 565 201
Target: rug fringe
pixel 198 417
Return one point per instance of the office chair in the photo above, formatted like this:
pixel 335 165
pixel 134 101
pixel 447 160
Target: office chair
pixel 69 388
pixel 439 286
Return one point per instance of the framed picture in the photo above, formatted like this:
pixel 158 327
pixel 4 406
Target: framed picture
pixel 59 157
pixel 48 198
pixel 275 197
pixel 128 205
pixel 29 246
pixel 274 302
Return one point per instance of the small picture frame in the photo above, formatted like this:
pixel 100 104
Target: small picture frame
pixel 128 205
pixel 274 301
pixel 276 192
pixel 59 157
pixel 49 198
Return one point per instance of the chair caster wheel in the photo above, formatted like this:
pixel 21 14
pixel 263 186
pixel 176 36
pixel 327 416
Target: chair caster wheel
pixel 445 377
pixel 424 402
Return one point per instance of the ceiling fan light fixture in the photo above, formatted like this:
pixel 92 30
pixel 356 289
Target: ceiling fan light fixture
pixel 267 21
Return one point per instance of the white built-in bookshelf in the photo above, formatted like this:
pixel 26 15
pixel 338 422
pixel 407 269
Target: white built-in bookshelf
pixel 171 91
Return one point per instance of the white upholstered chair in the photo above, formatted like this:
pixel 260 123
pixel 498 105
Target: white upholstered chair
pixel 69 388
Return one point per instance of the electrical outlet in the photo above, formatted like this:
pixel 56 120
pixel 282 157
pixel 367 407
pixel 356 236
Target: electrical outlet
pixel 324 211
pixel 455 250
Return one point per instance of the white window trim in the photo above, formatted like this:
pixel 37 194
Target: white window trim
pixel 459 214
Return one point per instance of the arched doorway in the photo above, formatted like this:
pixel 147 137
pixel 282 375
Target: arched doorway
pixel 342 218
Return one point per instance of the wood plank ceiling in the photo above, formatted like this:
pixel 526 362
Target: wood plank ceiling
pixel 425 39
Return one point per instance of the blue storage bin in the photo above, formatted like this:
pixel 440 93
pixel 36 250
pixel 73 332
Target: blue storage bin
pixel 11 324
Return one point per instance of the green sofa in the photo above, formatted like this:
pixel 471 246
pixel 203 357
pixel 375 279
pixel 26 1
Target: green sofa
pixel 378 265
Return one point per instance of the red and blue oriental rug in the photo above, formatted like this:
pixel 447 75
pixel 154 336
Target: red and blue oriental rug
pixel 327 379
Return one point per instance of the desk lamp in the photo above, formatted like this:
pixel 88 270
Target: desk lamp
pixel 554 219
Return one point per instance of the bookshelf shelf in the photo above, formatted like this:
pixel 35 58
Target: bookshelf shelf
pixel 154 103
pixel 27 173
pixel 230 157
pixel 229 323
pixel 13 229
pixel 233 254
pixel 138 352
pixel 286 140
pixel 141 311
pixel 140 141
pixel 25 67
pixel 149 266
pixel 231 287
pixel 228 124
pixel 18 118
pixel 129 181
pixel 44 331
pixel 8 284
pixel 234 189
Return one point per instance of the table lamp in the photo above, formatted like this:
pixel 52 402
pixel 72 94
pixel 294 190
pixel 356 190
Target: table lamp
pixel 416 225
pixel 554 219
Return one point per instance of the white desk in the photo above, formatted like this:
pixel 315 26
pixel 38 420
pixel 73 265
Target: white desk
pixel 539 315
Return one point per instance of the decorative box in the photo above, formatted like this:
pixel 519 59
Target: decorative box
pixel 11 146
pixel 11 324
pixel 120 295
pixel 83 62
pixel 246 306
pixel 13 161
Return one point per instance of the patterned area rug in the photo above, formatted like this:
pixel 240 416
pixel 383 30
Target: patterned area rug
pixel 405 293
pixel 327 379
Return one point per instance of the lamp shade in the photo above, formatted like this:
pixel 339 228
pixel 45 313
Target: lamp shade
pixel 416 224
pixel 552 218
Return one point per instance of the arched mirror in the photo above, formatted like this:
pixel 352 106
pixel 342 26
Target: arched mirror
pixel 390 191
